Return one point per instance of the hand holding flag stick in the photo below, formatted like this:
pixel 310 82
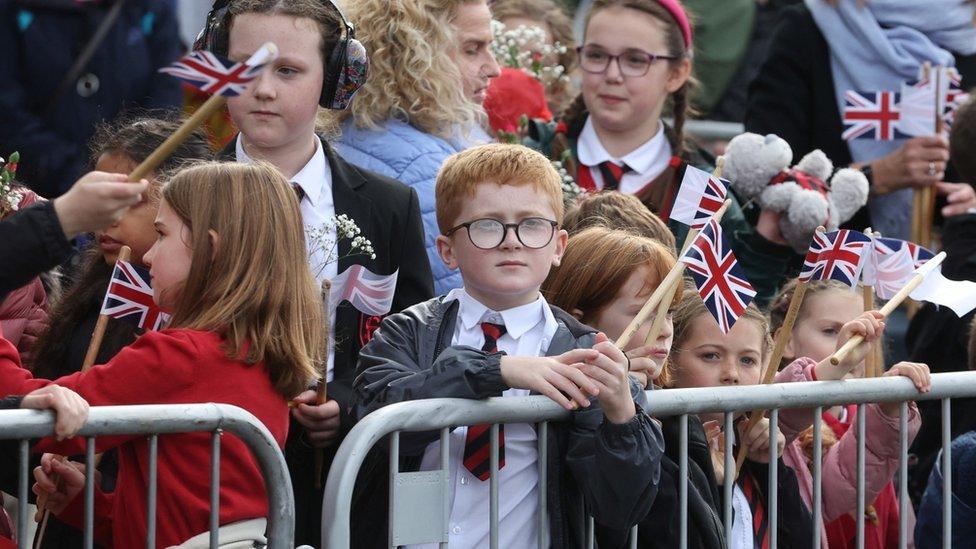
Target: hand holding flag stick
pixel 673 277
pixel 892 304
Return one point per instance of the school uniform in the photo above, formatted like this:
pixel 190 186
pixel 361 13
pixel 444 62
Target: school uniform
pixel 438 349
pixel 388 213
pixel 167 367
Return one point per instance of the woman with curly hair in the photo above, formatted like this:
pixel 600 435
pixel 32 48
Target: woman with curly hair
pixel 419 105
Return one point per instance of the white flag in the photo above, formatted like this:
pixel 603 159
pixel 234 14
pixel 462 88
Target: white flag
pixel 958 295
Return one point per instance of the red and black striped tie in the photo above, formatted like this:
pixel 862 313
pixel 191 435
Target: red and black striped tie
pixel 612 174
pixel 477 444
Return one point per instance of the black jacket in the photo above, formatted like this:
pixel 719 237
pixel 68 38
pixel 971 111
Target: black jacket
pixel 31 242
pixel 388 212
pixel 937 337
pixel 660 529
pixel 793 95
pixel 794 521
pixel 411 358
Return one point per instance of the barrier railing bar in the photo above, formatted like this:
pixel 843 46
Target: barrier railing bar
pixel 168 419
pixel 946 474
pixel 683 480
pixel 542 434
pixel 817 499
pixel 590 533
pixel 773 497
pixel 903 476
pixel 727 481
pixel 151 492
pixel 493 487
pixel 859 538
pixel 445 470
pixel 394 469
pixel 90 493
pixel 215 489
pixel 22 494
pixel 425 415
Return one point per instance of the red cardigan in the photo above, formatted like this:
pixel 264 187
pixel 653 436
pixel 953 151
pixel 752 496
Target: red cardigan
pixel 167 367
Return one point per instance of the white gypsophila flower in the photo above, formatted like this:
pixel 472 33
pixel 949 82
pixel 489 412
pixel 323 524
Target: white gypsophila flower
pixel 319 242
pixel 525 48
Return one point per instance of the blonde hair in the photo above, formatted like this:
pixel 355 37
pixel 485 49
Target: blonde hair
pixel 691 307
pixel 501 164
pixel 411 74
pixel 616 210
pixel 781 303
pixel 260 238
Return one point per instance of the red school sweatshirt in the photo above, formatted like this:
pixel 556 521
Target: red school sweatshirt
pixel 167 367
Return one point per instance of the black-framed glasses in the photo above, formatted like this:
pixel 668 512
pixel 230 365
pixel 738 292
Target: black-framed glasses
pixel 595 60
pixel 487 233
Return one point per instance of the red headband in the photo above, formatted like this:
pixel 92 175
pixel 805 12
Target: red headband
pixel 677 11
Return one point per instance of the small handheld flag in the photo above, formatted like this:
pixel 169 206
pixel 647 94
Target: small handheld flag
pixel 218 76
pixel 836 256
pixel 720 279
pixel 130 298
pixel 700 195
pixel 871 115
pixel 368 292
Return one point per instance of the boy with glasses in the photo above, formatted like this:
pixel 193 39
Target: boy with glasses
pixel 498 209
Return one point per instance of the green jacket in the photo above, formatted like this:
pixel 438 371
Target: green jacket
pixel 767 265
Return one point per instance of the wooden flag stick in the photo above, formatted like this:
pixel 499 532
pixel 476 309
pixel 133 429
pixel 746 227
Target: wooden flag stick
pixel 99 333
pixel 920 197
pixel 772 366
pixel 662 309
pixel 320 396
pixel 893 304
pixel 867 296
pixel 660 292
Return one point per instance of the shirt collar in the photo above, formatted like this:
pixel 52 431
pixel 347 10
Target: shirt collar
pixel 312 178
pixel 591 152
pixel 517 320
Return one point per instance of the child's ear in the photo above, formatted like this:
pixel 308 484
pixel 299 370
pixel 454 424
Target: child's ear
pixel 577 314
pixel 562 238
pixel 445 249
pixel 214 243
pixel 678 74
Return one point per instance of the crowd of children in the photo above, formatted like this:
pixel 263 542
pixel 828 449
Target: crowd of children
pixel 544 293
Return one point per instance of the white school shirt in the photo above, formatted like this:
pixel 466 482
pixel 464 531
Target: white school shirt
pixel 317 207
pixel 528 331
pixel 646 162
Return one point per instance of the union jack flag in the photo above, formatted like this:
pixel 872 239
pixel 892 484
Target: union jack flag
pixel 887 269
pixel 871 115
pixel 213 74
pixel 368 292
pixel 919 254
pixel 700 195
pixel 836 256
pixel 130 298
pixel 720 279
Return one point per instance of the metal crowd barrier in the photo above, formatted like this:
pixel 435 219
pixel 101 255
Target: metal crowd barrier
pixel 420 502
pixel 155 420
pixel 709 130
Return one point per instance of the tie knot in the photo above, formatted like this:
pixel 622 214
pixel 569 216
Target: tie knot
pixel 612 174
pixel 493 331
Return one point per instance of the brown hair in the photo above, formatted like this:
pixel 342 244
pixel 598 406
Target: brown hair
pixel 324 16
pixel 681 99
pixel 616 210
pixel 962 141
pixel 560 26
pixel 260 238
pixel 691 307
pixel 501 164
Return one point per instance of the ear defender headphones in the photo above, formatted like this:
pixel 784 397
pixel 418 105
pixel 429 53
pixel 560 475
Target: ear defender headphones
pixel 345 69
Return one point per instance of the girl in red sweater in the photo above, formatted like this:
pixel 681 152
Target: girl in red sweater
pixel 229 265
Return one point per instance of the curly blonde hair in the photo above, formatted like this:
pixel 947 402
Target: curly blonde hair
pixel 411 74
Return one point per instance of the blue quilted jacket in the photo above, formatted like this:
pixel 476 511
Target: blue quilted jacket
pixel 400 151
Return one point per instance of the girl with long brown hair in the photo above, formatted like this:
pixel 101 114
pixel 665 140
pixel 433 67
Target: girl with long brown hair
pixel 229 265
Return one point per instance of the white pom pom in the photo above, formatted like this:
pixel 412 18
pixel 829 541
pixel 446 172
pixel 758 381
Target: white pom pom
pixel 816 164
pixel 848 192
pixel 778 197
